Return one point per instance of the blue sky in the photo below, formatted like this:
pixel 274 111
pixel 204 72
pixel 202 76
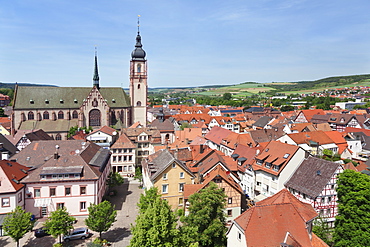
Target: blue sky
pixel 188 42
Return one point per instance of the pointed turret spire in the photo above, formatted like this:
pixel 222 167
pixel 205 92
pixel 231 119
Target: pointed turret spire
pixel 138 53
pixel 96 73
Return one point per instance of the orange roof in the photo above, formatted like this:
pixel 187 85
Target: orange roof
pixel 309 113
pixel 105 129
pixel 318 242
pixel 15 172
pixel 351 129
pixel 188 134
pixel 277 215
pixel 336 136
pixel 316 136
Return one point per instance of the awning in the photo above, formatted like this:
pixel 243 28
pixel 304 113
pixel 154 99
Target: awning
pixel 42 202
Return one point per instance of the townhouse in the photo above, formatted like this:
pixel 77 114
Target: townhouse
pixel 69 174
pixel 123 156
pixel 314 182
pixel 163 171
pixel 104 137
pixel 274 165
pixel 280 220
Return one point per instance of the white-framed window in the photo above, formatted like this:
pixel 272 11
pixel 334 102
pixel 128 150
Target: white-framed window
pixel 164 188
pixel 82 206
pixel 182 175
pixel 5 202
pixel 230 200
pixel 165 177
pixel 173 165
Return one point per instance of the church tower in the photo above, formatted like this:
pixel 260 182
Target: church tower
pixel 138 82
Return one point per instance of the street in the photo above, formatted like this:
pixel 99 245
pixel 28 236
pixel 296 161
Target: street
pixel 119 235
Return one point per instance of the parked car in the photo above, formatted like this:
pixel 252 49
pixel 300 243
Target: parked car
pixel 78 233
pixel 41 232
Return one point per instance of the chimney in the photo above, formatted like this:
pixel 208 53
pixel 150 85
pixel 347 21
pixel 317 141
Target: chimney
pixel 56 156
pixel 201 148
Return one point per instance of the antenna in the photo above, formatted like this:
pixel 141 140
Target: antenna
pixel 138 24
pixel 96 50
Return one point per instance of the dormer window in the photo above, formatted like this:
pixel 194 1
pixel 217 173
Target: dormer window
pixel 61 101
pixel 113 100
pixel 286 156
pixel 46 101
pixel 75 101
pixel 32 101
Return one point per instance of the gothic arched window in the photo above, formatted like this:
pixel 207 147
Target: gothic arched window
pixel 31 116
pixel 138 86
pixel 58 137
pixel 74 114
pixel 138 103
pixel 60 115
pixel 94 117
pixel 45 115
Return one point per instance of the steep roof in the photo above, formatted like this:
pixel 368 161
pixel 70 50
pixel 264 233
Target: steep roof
pixel 123 142
pixel 312 176
pixel 65 97
pixel 277 215
pixel 105 129
pixel 14 172
pixel 7 145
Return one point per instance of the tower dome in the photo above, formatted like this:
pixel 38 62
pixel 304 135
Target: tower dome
pixel 138 54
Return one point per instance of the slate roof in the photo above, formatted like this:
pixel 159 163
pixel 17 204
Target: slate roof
pixel 159 161
pixel 276 216
pixel 72 153
pixel 64 97
pixel 7 145
pixel 312 176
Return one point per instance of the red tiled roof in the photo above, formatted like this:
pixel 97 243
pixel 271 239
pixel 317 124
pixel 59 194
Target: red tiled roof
pixel 123 142
pixel 14 172
pixel 277 215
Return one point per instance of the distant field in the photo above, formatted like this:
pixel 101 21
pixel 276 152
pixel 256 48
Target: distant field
pixel 239 91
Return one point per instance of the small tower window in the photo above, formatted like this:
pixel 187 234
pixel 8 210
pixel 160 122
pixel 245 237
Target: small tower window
pixel 139 68
pixel 138 103
pixel 138 86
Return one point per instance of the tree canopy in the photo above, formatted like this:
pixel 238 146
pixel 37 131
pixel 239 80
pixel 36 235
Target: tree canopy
pixel 352 223
pixel 17 223
pixel 59 222
pixel 206 222
pixel 101 217
pixel 155 224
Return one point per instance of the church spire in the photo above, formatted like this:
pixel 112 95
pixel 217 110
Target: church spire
pixel 138 54
pixel 96 73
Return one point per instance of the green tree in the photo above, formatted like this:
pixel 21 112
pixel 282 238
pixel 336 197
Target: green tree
pixel 322 230
pixel 101 217
pixel 287 108
pixel 206 221
pixel 148 198
pixel 226 96
pixel 114 179
pixel 59 222
pixel 17 223
pixel 139 175
pixel 156 226
pixel 352 223
pixel 185 125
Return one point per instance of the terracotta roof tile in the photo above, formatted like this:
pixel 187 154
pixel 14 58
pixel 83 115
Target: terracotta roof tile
pixel 123 142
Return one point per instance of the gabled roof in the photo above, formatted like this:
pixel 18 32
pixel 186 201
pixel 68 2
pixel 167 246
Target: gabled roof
pixel 159 161
pixel 312 176
pixel 263 121
pixel 14 172
pixel 218 172
pixel 105 129
pixel 266 135
pixel 166 125
pixel 277 215
pixel 123 142
pixel 314 136
pixel 310 113
pixel 276 153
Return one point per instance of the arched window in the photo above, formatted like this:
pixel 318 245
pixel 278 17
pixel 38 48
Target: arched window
pixel 74 114
pixel 60 115
pixel 58 137
pixel 139 68
pixel 94 117
pixel 31 116
pixel 138 103
pixel 138 86
pixel 45 115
